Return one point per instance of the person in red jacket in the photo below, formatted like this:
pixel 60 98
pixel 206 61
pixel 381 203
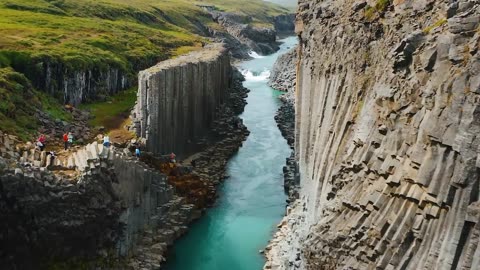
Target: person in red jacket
pixel 172 157
pixel 41 142
pixel 65 140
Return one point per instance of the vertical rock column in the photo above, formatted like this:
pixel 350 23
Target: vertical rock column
pixel 178 99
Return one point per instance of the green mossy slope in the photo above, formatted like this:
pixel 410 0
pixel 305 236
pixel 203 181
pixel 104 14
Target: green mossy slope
pixel 127 35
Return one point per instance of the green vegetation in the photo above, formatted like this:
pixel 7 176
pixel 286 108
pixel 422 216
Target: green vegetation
pixel 122 33
pixel 438 23
pixel 53 107
pixel 114 111
pixel 379 8
pixel 19 103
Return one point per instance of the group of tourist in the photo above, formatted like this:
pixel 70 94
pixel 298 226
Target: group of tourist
pixel 41 144
pixel 68 142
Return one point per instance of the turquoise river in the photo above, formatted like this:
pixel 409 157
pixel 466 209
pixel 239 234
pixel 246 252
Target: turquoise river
pixel 252 200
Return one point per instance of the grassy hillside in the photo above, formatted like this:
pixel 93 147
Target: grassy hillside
pixel 19 102
pixel 119 32
pixel 81 34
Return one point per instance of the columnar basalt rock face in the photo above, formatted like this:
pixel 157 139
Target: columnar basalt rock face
pixel 387 137
pixel 283 75
pixel 114 206
pixel 38 209
pixel 178 99
pixel 77 85
pixel 145 194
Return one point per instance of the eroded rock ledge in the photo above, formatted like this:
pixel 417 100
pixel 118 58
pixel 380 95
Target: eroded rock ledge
pixel 283 78
pixel 387 138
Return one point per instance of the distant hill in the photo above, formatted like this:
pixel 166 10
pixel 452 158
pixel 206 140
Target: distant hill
pixel 287 3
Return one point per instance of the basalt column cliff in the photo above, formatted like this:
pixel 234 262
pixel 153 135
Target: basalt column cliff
pixel 178 99
pixel 387 137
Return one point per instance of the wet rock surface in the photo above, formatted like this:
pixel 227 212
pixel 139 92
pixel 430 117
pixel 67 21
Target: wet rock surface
pixel 387 138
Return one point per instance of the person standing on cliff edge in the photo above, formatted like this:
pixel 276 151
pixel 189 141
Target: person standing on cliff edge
pixel 41 142
pixel 65 141
pixel 70 139
pixel 106 141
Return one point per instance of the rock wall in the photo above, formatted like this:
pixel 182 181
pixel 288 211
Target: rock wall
pixel 285 24
pixel 75 85
pixel 38 209
pixel 144 193
pixel 387 137
pixel 99 205
pixel 241 37
pixel 283 76
pixel 178 100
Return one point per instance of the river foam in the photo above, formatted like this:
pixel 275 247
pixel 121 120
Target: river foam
pixel 256 76
pixel 255 55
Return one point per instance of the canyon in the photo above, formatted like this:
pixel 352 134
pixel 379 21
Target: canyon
pixel 380 105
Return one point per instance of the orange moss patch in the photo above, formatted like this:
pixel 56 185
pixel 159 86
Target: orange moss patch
pixel 196 190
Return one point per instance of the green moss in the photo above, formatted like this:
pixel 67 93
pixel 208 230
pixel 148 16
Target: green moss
pixel 438 23
pixel 19 102
pixel 382 5
pixel 112 113
pixel 53 107
pixel 379 8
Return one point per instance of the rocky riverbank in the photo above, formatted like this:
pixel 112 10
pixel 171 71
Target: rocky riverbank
pixel 283 78
pixel 285 118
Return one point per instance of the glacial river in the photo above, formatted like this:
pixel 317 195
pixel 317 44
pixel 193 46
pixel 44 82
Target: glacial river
pixel 252 200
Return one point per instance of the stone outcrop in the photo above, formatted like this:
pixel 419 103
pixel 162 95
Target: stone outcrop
pixel 285 24
pixel 179 99
pixel 283 76
pixel 38 208
pixel 387 138
pixel 75 85
pixel 98 204
pixel 240 37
